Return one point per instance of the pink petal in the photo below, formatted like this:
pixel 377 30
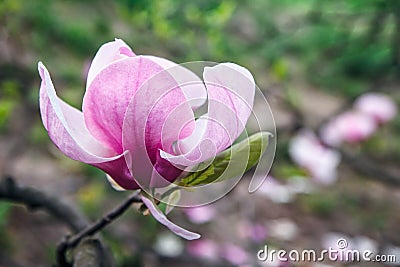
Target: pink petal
pixel 108 53
pixel 66 128
pixel 156 117
pixel 163 172
pixel 191 85
pixel 161 218
pixel 380 106
pixel 119 172
pixel 306 150
pixel 350 126
pixel 231 90
pixel 108 96
pixel 235 254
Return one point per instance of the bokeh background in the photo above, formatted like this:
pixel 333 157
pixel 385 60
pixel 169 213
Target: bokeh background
pixel 311 58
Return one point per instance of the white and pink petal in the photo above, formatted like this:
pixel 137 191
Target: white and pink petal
pixel 107 54
pixel 157 116
pixel 231 91
pixel 161 218
pixel 191 85
pixel 106 100
pixel 66 128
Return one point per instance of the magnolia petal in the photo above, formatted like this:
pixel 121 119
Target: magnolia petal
pixel 163 173
pixel 107 98
pixel 119 172
pixel 108 53
pixel 66 128
pixel 191 85
pixel 231 90
pixel 161 218
pixel 380 106
pixel 156 117
pixel 114 184
pixel 229 82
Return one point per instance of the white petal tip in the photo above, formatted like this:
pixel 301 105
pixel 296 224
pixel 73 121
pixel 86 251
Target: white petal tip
pixel 41 66
pixel 114 184
pixel 193 237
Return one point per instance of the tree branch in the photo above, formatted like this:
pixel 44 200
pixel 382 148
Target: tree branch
pixel 108 218
pixel 369 169
pixel 35 199
pixel 90 250
pixel 82 238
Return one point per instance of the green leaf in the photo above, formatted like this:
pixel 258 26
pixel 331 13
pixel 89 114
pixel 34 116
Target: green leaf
pixel 230 163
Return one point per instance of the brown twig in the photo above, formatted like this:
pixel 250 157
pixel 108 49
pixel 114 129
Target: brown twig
pixel 35 199
pixel 70 242
pixel 108 218
pixel 369 169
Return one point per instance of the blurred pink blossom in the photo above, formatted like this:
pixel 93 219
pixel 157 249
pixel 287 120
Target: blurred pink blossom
pixel 307 151
pixel 235 254
pixel 201 214
pixel 258 233
pixel 255 231
pixel 350 126
pixel 205 249
pixel 377 105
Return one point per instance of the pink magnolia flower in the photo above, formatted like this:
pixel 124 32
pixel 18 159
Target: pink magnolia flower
pixel 351 126
pixel 380 106
pixel 137 122
pixel 307 151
